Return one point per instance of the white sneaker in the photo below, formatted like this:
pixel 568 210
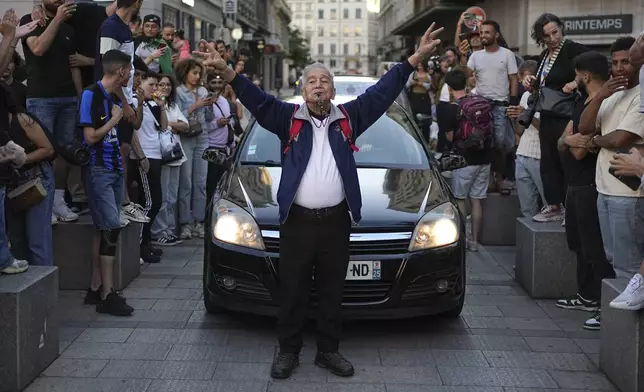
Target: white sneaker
pixel 198 230
pixel 123 219
pixel 133 213
pixel 63 213
pixel 186 232
pixel 16 267
pixel 632 298
pixel 549 214
pixel 54 220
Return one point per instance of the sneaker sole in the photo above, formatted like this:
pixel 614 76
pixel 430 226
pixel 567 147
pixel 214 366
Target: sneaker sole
pixel 589 328
pixel 13 271
pixel 583 308
pixel 333 371
pixel 163 243
pixel 623 306
pixel 133 219
pixel 66 220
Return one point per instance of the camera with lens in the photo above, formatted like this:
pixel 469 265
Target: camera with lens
pixel 434 63
pixel 526 116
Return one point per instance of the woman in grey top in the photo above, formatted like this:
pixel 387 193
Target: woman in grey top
pixel 195 103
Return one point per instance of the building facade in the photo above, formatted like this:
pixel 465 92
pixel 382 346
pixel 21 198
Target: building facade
pixel 338 32
pixel 594 23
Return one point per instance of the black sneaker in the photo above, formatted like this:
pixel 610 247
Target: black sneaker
pixel 156 251
pixel 594 323
pixel 335 363
pixel 166 240
pixel 577 302
pixel 148 255
pixel 115 305
pixel 284 364
pixel 93 297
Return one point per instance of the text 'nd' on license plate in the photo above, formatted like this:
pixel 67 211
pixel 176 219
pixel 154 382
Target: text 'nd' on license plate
pixel 363 270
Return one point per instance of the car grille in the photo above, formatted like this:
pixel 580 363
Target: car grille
pixel 381 247
pixel 425 285
pixel 356 292
pixel 248 287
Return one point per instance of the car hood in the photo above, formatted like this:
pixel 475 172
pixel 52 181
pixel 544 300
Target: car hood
pixel 391 198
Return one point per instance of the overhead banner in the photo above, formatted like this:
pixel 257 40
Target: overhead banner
pixel 230 6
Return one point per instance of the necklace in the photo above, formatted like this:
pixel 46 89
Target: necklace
pixel 545 68
pixel 320 123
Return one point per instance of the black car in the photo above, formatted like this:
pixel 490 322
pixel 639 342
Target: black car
pixel 407 255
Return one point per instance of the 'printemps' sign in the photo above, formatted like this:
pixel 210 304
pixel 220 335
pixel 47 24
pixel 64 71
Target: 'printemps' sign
pixel 595 24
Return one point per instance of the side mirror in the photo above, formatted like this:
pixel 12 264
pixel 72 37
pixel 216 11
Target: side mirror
pixel 449 161
pixel 423 120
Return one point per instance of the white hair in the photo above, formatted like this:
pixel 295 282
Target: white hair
pixel 314 66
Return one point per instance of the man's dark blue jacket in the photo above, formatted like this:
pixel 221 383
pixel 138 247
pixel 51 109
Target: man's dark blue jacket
pixel 276 115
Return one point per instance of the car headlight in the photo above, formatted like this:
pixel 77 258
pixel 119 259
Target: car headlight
pixel 234 225
pixel 438 227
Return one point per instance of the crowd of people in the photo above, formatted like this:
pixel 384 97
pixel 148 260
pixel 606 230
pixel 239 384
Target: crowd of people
pixel 113 114
pixel 564 128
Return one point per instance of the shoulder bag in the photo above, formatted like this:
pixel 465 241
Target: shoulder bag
pixel 171 150
pixel 551 102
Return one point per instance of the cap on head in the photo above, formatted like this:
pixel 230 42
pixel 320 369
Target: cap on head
pixel 152 18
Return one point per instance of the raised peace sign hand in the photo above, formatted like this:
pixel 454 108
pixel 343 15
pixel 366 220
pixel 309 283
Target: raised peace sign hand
pixel 211 58
pixel 429 42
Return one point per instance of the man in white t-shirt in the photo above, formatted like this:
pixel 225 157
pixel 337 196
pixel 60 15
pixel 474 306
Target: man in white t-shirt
pixel 496 79
pixel 615 115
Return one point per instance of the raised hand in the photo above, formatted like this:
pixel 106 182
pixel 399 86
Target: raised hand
pixel 211 58
pixel 9 22
pixel 26 28
pixel 65 11
pixel 429 42
pixel 117 113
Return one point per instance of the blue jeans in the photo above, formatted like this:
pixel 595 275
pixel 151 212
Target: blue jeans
pixel 621 220
pixel 504 139
pixel 104 189
pixel 529 185
pixel 192 183
pixel 165 222
pixel 5 254
pixel 30 231
pixel 58 115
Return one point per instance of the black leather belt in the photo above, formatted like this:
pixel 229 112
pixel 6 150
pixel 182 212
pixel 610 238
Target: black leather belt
pixel 320 213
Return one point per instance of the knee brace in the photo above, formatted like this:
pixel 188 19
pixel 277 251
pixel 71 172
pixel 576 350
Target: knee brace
pixel 108 242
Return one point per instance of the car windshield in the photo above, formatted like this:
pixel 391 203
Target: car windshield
pixel 391 142
pixel 345 87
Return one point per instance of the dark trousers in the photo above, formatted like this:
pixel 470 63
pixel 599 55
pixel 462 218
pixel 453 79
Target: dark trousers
pixel 309 242
pixel 585 239
pixel 148 192
pixel 552 175
pixel 214 175
pixel 443 143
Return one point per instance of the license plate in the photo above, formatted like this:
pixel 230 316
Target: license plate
pixel 363 270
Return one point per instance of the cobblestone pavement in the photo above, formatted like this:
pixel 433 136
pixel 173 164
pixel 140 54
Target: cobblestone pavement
pixel 504 342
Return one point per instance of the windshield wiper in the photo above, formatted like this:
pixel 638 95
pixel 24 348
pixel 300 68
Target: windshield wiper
pixel 269 163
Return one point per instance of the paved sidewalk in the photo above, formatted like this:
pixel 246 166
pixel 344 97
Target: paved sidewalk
pixel 504 342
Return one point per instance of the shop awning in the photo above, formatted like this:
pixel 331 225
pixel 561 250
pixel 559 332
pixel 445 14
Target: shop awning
pixel 444 14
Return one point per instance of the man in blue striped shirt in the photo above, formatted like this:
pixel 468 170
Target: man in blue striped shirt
pixel 99 114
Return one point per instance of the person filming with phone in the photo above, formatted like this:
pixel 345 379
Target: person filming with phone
pixel 614 114
pixel 153 49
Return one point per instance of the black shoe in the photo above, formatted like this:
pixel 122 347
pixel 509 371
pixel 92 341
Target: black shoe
pixel 335 363
pixel 115 305
pixel 156 251
pixel 284 364
pixel 148 255
pixel 93 297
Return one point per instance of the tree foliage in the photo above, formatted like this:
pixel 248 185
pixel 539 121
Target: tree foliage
pixel 298 48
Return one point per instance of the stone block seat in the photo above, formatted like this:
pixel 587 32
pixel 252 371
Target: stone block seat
pixel 544 266
pixel 73 254
pixel 622 341
pixel 499 215
pixel 28 326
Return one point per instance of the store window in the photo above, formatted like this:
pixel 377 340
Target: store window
pixel 170 15
pixel 332 63
pixel 333 49
pixel 345 13
pixel 334 13
pixel 345 49
pixel 320 31
pixel 358 13
pixel 345 31
pixel 358 49
pixel 186 25
pixel 358 31
pixel 320 48
pixel 320 14
pixel 334 32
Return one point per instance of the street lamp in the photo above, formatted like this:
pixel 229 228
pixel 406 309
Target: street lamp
pixel 237 34
pixel 260 48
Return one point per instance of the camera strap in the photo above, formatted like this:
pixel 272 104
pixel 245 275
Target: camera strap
pixel 544 69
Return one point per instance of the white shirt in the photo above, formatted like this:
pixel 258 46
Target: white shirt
pixel 492 70
pixel 174 114
pixel 529 145
pixel 321 184
pixel 148 134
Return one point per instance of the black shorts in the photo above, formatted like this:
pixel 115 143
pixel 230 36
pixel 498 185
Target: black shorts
pixel 125 131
